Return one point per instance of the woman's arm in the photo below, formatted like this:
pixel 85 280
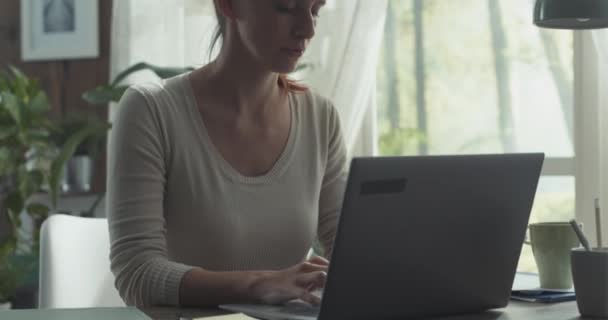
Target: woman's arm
pixel 334 181
pixel 135 186
pixel 201 288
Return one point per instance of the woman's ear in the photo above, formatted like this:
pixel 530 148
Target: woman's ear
pixel 226 8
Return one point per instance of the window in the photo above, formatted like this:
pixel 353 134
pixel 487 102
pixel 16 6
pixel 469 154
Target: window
pixel 476 76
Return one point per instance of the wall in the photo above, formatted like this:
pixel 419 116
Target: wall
pixel 64 81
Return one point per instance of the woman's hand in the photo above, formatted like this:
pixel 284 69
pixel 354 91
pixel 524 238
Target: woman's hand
pixel 297 282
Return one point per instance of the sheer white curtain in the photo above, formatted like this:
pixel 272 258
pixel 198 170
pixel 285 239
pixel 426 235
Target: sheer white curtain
pixel 169 33
pixel 344 52
pixel 174 33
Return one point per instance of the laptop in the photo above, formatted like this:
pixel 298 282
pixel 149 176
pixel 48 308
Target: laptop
pixel 424 236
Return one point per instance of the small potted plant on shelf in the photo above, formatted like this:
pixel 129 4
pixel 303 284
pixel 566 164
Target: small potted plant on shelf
pixel 78 170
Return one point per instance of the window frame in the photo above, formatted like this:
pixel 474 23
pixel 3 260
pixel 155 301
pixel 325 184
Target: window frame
pixel 586 132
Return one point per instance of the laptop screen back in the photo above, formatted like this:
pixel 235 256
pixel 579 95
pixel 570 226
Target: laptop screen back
pixel 431 235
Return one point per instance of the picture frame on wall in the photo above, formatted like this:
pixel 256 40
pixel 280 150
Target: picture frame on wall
pixel 59 29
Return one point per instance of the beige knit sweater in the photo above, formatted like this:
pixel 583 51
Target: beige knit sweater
pixel 175 203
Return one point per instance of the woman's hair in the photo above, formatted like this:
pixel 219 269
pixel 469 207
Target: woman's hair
pixel 284 81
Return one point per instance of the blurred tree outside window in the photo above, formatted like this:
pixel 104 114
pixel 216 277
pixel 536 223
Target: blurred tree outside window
pixel 476 76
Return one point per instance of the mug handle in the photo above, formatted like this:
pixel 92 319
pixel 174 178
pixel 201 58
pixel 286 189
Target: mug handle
pixel 527 238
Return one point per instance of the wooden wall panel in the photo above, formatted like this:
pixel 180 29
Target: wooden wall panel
pixel 63 80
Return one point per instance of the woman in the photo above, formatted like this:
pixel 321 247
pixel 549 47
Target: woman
pixel 220 179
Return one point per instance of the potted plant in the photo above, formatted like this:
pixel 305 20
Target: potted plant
pixel 10 276
pixel 30 163
pixel 14 272
pixel 78 170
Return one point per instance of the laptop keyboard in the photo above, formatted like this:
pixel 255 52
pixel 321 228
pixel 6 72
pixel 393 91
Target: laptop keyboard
pixel 301 309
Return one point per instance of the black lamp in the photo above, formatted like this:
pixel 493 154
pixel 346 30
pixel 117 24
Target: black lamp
pixel 571 14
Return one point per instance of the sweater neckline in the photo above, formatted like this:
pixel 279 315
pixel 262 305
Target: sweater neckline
pixel 277 169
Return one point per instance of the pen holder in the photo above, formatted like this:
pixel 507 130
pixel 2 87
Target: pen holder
pixel 590 277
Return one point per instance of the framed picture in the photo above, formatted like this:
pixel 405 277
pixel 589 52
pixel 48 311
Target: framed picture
pixel 59 29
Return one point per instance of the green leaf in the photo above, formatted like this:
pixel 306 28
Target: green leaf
pixel 7 161
pixel 29 182
pixel 26 187
pixel 6 132
pixel 20 76
pixel 23 139
pixel 11 103
pixel 7 248
pixel 38 210
pixel 20 82
pixel 33 87
pixel 162 72
pixel 37 177
pixel 5 154
pixel 166 73
pixel 125 73
pixel 44 123
pixel 14 204
pixel 104 94
pixel 74 123
pixel 4 80
pixel 38 134
pixel 67 152
pixel 39 104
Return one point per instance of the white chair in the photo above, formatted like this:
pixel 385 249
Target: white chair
pixel 75 264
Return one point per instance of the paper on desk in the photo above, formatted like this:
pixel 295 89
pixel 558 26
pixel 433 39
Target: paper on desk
pixel 527 281
pixel 235 316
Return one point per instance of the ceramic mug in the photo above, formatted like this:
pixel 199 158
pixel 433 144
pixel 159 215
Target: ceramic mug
pixel 551 244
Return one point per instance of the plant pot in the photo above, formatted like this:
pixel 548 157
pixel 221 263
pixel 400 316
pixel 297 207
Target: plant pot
pixel 5 305
pixel 77 175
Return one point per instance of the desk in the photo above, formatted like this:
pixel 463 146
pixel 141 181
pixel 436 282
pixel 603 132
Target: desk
pixel 515 310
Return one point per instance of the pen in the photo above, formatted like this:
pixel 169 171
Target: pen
pixel 598 223
pixel 580 235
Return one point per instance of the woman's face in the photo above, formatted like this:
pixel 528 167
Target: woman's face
pixel 276 32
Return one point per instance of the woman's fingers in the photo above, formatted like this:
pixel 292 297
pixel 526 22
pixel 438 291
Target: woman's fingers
pixel 319 260
pixel 312 280
pixel 307 296
pixel 312 267
pixel 296 282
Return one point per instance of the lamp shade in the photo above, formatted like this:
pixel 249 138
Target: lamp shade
pixel 571 14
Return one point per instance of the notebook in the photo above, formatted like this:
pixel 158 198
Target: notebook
pixel 527 288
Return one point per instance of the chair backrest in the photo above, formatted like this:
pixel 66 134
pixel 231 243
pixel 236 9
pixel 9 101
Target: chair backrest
pixel 75 264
